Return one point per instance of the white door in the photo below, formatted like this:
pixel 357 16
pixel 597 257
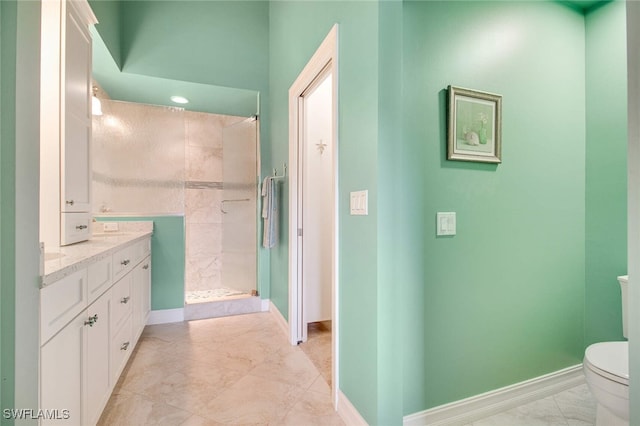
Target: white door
pixel 316 154
pixel 313 203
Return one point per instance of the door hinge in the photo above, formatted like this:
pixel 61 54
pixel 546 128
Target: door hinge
pixel 299 232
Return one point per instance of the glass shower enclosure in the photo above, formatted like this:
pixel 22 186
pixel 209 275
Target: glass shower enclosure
pixel 156 161
pixel 239 206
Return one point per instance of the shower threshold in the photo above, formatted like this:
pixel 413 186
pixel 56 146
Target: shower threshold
pixel 219 303
pixel 216 294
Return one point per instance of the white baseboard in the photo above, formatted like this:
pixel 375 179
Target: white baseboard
pixel 164 316
pixel 348 413
pixel 493 402
pixel 282 323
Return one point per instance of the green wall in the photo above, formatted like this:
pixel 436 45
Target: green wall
pixel 294 38
pixel 167 259
pixel 109 26
pixel 606 167
pixel 219 44
pixel 214 42
pixel 157 91
pixel 137 60
pixel 391 281
pixel 19 280
pixel 503 300
pixel 8 16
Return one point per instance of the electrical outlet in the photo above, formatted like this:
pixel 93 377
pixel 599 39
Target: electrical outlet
pixel 110 226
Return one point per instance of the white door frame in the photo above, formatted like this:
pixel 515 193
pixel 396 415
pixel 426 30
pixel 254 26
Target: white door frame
pixel 324 60
pixel 633 203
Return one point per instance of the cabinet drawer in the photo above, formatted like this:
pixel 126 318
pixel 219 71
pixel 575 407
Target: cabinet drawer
pixel 122 262
pixel 121 347
pixel 99 278
pixel 60 302
pixel 140 250
pixel 75 227
pixel 121 302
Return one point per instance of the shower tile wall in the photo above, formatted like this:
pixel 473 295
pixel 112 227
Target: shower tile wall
pixel 138 159
pixel 203 169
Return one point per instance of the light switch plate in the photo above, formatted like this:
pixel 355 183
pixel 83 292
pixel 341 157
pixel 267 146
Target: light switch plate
pixel 359 203
pixel 446 223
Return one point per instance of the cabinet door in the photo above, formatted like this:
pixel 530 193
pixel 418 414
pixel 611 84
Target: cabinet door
pixel 75 155
pixel 61 373
pixel 121 302
pixel 141 296
pixel 120 349
pixel 97 361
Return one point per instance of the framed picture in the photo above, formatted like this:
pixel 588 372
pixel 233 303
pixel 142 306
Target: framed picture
pixel 474 128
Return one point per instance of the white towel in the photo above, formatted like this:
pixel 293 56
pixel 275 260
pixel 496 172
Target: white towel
pixel 270 212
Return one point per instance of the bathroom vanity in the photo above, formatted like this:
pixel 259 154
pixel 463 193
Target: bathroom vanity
pixel 94 304
pixel 95 290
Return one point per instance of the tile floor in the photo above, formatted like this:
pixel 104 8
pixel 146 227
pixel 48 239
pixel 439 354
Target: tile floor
pixel 221 371
pixel 318 347
pixel 573 407
pixel 241 370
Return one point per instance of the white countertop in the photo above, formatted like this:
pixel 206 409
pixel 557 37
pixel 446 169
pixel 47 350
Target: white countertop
pixel 63 261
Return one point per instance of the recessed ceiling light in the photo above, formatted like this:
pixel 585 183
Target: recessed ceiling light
pixel 179 99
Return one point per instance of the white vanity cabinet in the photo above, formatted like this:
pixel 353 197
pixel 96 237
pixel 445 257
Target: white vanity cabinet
pixel 89 324
pixel 65 122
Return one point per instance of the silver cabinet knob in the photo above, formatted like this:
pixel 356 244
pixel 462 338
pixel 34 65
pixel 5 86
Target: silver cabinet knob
pixel 81 227
pixel 125 262
pixel 146 266
pixel 70 202
pixel 92 320
pixel 125 300
pixel 124 346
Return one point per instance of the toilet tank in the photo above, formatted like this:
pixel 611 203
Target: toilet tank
pixel 624 284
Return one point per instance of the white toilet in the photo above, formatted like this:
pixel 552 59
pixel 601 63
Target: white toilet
pixel 606 368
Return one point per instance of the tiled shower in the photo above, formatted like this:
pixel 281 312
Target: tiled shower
pixel 220 207
pixel 155 161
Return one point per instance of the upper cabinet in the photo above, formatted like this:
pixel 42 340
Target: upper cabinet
pixel 77 113
pixel 65 122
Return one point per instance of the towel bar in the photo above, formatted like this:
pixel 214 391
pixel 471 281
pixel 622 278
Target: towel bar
pixel 231 201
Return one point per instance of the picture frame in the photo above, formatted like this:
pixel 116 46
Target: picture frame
pixel 474 126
